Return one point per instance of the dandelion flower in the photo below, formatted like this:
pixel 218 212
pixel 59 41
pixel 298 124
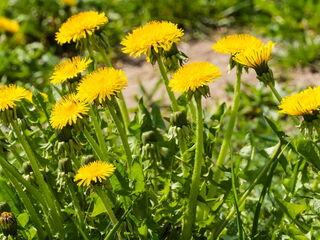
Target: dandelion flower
pixel 12 94
pixel 155 34
pixel 9 25
pixel 67 111
pixel 68 69
pixel 94 172
pixel 101 84
pixel 236 43
pixel 306 102
pixel 256 58
pixel 79 25
pixel 193 75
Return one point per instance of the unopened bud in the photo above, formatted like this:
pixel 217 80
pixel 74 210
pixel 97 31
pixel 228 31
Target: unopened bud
pixel 8 223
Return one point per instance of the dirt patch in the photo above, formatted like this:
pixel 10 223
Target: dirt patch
pixel 147 75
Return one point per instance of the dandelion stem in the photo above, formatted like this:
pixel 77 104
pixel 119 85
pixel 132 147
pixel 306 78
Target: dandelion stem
pixel 122 133
pixel 98 131
pixel 277 152
pixel 232 121
pixel 78 211
pixel 108 206
pixel 195 181
pixel 31 189
pixel 274 91
pixel 182 144
pixel 50 198
pixel 93 143
pixel 27 203
pixel 124 110
pixel 163 72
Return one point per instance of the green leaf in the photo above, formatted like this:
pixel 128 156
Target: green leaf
pixel 31 233
pixel 274 128
pixel 23 219
pixel 309 151
pixel 292 209
pixel 98 207
pixel 137 176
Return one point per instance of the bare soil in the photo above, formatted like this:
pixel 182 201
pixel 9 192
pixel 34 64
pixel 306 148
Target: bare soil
pixel 147 75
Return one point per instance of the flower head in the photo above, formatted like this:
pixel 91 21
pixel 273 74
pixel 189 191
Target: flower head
pixel 79 25
pixel 9 25
pixel 94 172
pixel 236 43
pixel 101 84
pixel 67 111
pixel 12 94
pixel 306 102
pixel 193 75
pixel 154 35
pixel 256 58
pixel 68 69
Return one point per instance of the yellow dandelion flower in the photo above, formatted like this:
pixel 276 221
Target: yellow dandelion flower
pixel 9 25
pixel 12 94
pixel 193 75
pixel 69 2
pixel 236 43
pixel 67 111
pixel 94 172
pixel 68 69
pixel 79 25
pixel 154 35
pixel 256 58
pixel 101 84
pixel 44 96
pixel 306 102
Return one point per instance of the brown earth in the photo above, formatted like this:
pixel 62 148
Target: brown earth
pixel 147 75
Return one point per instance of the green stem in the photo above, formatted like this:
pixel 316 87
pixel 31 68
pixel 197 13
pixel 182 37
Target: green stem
pixel 32 190
pixel 274 91
pixel 93 143
pixel 295 175
pixel 49 197
pixel 195 181
pixel 124 110
pixel 122 133
pixel 76 204
pixel 232 121
pixel 108 206
pixel 99 133
pixel 29 206
pixel 277 152
pixel 182 144
pixel 236 203
pixel 163 72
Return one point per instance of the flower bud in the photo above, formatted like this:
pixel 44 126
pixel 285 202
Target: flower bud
pixel 179 119
pixel 149 137
pixel 8 223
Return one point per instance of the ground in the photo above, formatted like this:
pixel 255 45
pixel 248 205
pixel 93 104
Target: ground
pixel 200 50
